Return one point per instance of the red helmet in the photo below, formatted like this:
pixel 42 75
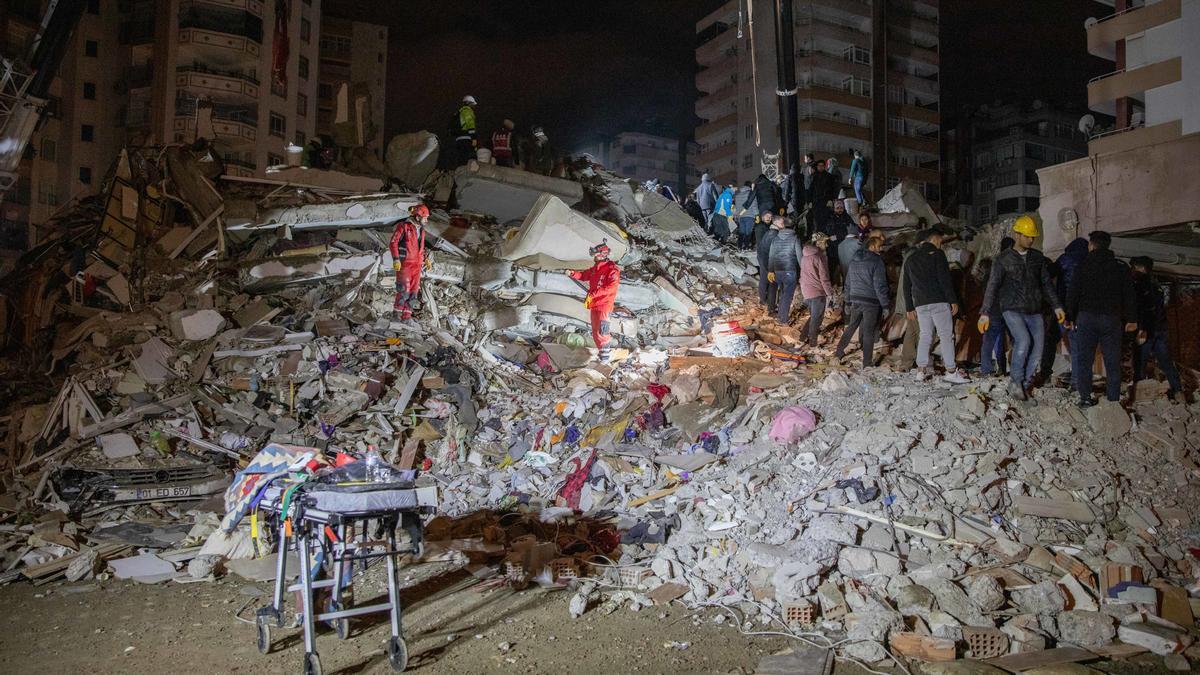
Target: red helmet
pixel 600 250
pixel 420 211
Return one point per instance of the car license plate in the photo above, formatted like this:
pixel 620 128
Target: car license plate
pixel 148 493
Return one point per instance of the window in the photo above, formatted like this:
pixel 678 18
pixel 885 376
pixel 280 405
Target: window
pixel 1006 178
pixel 749 131
pixel 85 175
pixel 49 149
pixel 89 91
pixel 1064 129
pixel 857 86
pixel 748 161
pixel 302 69
pixel 48 193
pixel 985 212
pixel 302 105
pixel 856 54
pixel 278 125
pixel 87 133
pixel 305 29
pixel 325 91
pixel 629 149
pixel 274 159
pixel 986 185
pixel 1034 151
pixel 983 160
pixel 1031 177
pixel 896 125
pixel 378 57
pixel 301 138
pixel 1009 205
pixel 91 48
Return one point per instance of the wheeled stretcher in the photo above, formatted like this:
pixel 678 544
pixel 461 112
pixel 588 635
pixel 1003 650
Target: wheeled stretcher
pixel 336 530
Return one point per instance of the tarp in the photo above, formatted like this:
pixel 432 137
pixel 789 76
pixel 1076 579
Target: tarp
pixel 554 236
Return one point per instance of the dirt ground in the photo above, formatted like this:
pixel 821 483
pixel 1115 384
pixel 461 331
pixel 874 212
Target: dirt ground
pixel 452 626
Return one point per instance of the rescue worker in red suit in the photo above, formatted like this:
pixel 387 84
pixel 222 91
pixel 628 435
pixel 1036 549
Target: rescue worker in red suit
pixel 603 279
pixel 408 259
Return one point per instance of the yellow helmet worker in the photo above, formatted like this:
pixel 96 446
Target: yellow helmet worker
pixel 1027 226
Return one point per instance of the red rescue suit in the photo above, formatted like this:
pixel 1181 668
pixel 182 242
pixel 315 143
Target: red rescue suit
pixel 603 280
pixel 408 259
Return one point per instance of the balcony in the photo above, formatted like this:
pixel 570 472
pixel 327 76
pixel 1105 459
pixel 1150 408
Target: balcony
pixel 809 60
pixel 1122 83
pixel 231 122
pixel 1130 138
pixel 207 81
pixel 715 50
pixel 806 25
pixel 831 94
pixel 925 144
pixel 709 104
pixel 717 126
pixel 916 173
pixel 830 125
pixel 720 152
pixel 921 113
pixel 253 6
pixel 912 22
pixel 913 52
pixel 710 80
pixel 215 25
pixel 196 36
pixel 1103 35
pixel 860 8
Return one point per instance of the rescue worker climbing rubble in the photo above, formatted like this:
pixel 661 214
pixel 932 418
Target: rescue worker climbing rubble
pixel 408 259
pixel 463 126
pixel 603 279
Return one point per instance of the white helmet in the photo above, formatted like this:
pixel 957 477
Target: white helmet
pixel 470 100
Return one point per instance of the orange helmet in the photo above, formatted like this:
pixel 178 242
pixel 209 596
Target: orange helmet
pixel 420 211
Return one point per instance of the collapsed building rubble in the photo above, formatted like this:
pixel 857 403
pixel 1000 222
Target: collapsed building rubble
pixel 877 517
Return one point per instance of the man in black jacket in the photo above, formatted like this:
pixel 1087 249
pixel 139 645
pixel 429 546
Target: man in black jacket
pixel 867 295
pixel 931 299
pixel 765 195
pixel 766 288
pixel 1152 335
pixel 824 191
pixel 1017 288
pixel 1100 302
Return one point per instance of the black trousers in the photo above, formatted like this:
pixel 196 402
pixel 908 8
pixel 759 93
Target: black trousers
pixel 865 319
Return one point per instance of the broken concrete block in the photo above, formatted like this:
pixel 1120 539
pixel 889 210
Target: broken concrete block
pixel 943 625
pixel 914 600
pixel 1042 598
pixel 952 600
pixel 412 157
pixel 554 236
pixel 985 592
pixel 1158 639
pixel 1109 420
pixel 1085 629
pixel 673 298
pixel 508 194
pixel 196 324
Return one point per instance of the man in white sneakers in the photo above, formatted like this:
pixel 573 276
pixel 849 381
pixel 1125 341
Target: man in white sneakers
pixel 929 294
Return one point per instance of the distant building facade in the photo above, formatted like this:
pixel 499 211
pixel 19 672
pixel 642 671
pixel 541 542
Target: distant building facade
pixel 645 157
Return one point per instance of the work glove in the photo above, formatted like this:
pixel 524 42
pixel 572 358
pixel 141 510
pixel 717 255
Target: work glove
pixel 428 264
pixel 574 274
pixel 984 323
pixel 1060 315
pixel 396 265
pixel 474 143
pixel 587 301
pixel 771 277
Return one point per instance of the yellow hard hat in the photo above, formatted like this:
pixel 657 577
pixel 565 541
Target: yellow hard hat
pixel 1027 226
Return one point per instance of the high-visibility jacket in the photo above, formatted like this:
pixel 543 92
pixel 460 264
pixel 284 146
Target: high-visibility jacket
pixel 466 122
pixel 502 143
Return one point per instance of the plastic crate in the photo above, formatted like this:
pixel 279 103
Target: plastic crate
pixel 985 643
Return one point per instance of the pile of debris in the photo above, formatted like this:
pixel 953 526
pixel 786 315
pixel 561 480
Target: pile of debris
pixel 709 464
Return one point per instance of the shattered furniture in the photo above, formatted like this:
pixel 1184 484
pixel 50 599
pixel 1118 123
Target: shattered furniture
pixel 331 526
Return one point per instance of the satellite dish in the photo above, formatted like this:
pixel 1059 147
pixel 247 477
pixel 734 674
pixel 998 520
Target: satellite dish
pixel 1086 124
pixel 1089 22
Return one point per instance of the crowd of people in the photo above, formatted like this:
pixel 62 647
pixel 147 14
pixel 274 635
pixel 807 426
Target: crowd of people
pixel 1032 308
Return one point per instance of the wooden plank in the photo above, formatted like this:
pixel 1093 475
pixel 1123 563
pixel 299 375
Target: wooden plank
pixel 651 497
pixel 922 647
pixel 1017 663
pixel 1054 508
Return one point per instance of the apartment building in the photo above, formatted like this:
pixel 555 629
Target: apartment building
pixel 859 88
pixel 1000 150
pixel 352 53
pixel 242 73
pixel 644 157
pixel 1137 181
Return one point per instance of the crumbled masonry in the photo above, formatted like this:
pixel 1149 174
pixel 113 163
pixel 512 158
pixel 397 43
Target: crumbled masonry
pixel 888 517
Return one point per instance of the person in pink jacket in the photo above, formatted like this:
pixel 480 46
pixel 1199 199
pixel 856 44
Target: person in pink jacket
pixel 815 285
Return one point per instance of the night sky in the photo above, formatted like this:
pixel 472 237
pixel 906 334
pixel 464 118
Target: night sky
pixel 588 69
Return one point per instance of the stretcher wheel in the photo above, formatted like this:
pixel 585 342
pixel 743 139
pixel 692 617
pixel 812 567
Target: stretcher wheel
pixel 264 637
pixel 312 664
pixel 398 654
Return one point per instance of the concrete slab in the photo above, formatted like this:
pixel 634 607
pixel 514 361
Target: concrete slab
pixel 412 157
pixel 554 236
pixel 508 194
